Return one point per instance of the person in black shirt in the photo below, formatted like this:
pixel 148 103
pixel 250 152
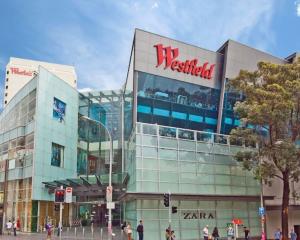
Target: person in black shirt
pixel 215 234
pixel 246 231
pixel 140 230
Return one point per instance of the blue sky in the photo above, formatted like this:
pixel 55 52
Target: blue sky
pixel 96 36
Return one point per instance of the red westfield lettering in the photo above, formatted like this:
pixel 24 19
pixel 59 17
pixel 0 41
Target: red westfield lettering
pixel 15 70
pixel 169 55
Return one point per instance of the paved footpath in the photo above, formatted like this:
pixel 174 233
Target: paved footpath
pixel 67 234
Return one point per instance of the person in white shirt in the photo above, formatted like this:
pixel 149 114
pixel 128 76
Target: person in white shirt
pixel 9 227
pixel 205 232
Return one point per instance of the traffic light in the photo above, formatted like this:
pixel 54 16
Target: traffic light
pixel 59 195
pixel 167 199
pixel 56 207
pixel 174 209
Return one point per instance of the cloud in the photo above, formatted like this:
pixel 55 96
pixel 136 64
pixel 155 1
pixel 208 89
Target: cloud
pixel 155 5
pixel 100 49
pixel 82 90
pixel 297 3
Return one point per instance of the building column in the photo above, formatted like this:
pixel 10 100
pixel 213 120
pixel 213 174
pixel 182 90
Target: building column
pixel 38 217
pixel 70 213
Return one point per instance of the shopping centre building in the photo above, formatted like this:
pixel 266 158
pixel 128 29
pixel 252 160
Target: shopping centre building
pixel 169 126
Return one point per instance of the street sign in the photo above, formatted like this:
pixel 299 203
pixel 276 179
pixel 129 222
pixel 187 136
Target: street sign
pixel 69 191
pixel 110 205
pixel 109 190
pixel 237 221
pixel 261 211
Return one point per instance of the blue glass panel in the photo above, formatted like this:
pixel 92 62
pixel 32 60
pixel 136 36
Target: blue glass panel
pixel 59 110
pixel 195 118
pixel 143 109
pixel 212 121
pixel 228 120
pixel 237 122
pixel 161 112
pixel 179 115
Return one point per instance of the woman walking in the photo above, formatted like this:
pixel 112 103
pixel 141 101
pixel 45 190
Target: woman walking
pixel 129 231
pixel 215 234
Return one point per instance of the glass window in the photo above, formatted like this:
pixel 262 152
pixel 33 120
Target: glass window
pixel 57 156
pixel 167 154
pixel 161 112
pixel 179 115
pixel 167 132
pixel 176 103
pixel 195 118
pixel 148 129
pixel 59 110
pixel 143 109
pixel 185 134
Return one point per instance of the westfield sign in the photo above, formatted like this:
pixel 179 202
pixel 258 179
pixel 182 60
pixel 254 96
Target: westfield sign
pixel 169 56
pixel 17 71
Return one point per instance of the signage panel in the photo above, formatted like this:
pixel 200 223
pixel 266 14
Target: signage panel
pixel 69 192
pixel 169 55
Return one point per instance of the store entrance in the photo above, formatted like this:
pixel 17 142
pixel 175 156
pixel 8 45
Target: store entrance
pixel 97 214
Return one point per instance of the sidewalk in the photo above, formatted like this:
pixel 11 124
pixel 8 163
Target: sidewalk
pixel 81 234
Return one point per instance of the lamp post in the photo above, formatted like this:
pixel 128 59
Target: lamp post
pixel 110 171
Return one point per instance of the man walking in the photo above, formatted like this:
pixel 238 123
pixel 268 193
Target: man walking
pixel 205 232
pixel 9 227
pixel 246 231
pixel 277 234
pixel 140 230
pixel 293 234
pixel 15 227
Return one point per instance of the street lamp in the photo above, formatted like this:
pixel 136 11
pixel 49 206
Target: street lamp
pixel 110 170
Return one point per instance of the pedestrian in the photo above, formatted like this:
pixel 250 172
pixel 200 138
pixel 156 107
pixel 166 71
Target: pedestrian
pixel 123 226
pixel 173 235
pixel 205 232
pixel 129 231
pixel 246 231
pixel 215 234
pixel 140 230
pixel 49 230
pixel 9 227
pixel 293 234
pixel 18 224
pixel 277 234
pixel 168 233
pixel 230 233
pixel 15 227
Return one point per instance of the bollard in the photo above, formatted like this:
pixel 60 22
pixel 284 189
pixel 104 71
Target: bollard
pixel 75 231
pixel 92 231
pixel 83 231
pixel 68 229
pixel 101 234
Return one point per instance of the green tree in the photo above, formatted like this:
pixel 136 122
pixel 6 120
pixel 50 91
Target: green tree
pixel 272 106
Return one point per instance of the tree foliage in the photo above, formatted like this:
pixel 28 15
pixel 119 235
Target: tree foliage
pixel 272 109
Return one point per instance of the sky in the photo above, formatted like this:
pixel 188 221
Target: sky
pixel 96 36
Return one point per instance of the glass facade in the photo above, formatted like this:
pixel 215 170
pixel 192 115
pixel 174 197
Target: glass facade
pixel 192 217
pixel 229 119
pixel 188 163
pixel 16 155
pixel 102 109
pixel 178 104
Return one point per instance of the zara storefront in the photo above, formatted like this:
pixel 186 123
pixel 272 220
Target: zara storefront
pixel 174 121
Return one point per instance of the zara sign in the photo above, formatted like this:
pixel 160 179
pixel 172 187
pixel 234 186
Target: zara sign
pixel 198 214
pixel 169 56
